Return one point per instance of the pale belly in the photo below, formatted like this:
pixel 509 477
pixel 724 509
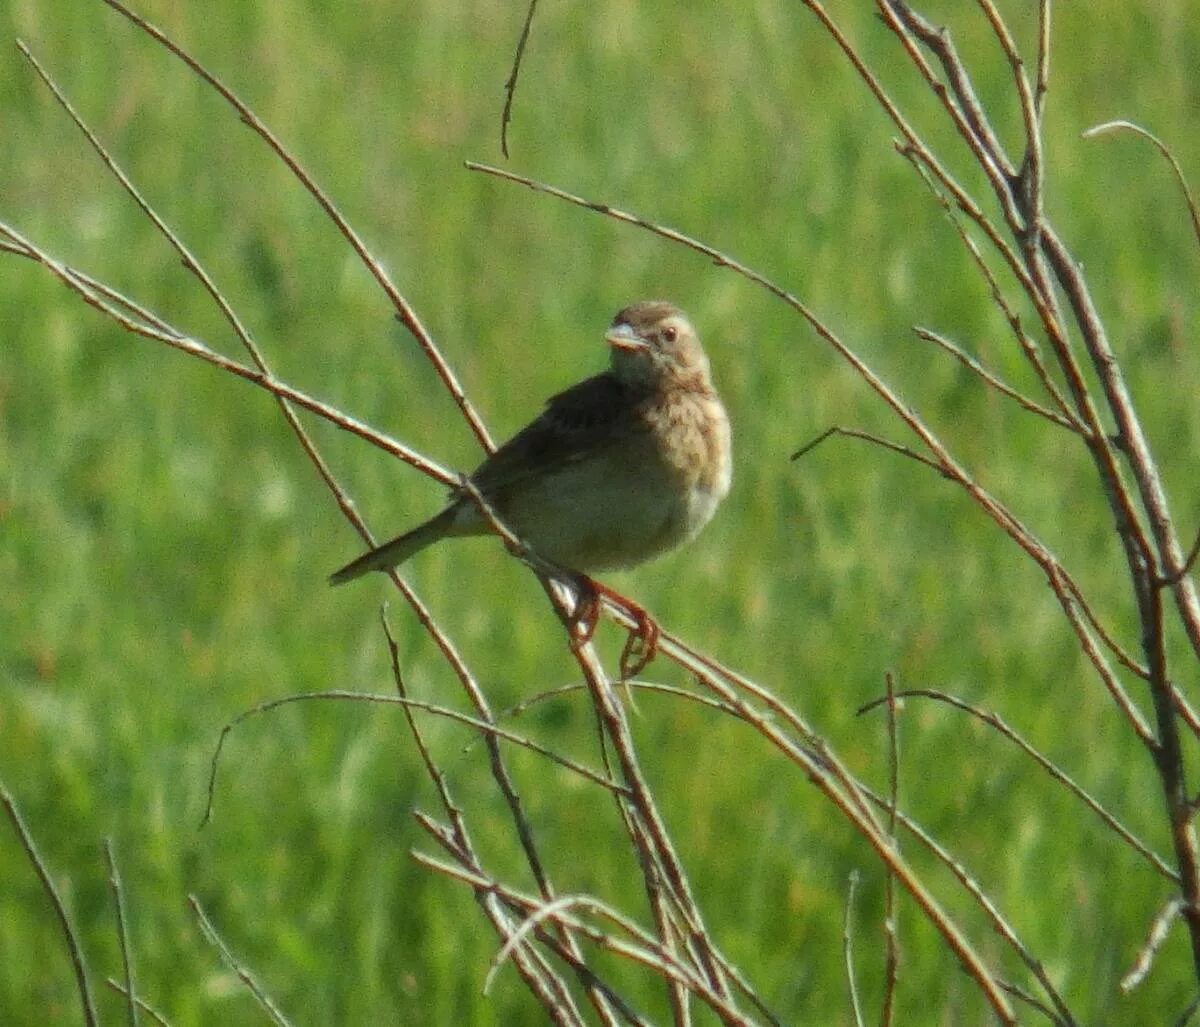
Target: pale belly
pixel 617 505
pixel 604 515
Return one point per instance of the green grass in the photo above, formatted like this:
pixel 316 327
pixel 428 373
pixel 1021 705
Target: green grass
pixel 164 544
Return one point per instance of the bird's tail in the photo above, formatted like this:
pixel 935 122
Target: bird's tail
pixel 392 554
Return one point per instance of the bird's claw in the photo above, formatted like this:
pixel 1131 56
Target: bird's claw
pixel 642 644
pixel 585 617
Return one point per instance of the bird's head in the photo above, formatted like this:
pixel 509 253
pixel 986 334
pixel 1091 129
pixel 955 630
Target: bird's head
pixel 654 344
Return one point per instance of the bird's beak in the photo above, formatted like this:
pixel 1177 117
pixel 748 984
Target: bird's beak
pixel 622 336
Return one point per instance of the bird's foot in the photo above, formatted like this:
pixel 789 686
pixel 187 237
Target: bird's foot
pixel 642 644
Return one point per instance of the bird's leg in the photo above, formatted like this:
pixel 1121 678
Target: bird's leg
pixel 586 614
pixel 642 644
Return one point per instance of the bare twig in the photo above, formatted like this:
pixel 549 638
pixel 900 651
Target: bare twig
pixel 1042 249
pixel 1171 580
pixel 1021 995
pixel 997 723
pixel 404 311
pixel 850 797
pixel 74 949
pixel 1043 62
pixel 518 709
pixel 985 903
pixel 709 672
pixel 646 951
pixel 991 379
pixel 1159 929
pixel 541 979
pixel 1113 127
pixel 483 726
pixel 848 948
pixel 143 1005
pixel 1031 179
pixel 114 882
pixel 891 961
pixel 1186 713
pixel 239 970
pixel 959 99
pixel 877 440
pixel 555 911
pixel 510 87
pixel 158 331
pixel 1028 347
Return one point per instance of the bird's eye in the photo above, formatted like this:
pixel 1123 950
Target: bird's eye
pixel 669 334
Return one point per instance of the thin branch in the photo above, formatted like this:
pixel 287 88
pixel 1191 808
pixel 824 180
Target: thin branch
pixel 393 700
pixel 192 264
pixel 865 436
pixel 708 672
pixel 997 723
pixel 538 914
pixel 114 882
pixel 510 86
pixel 831 777
pixel 1035 280
pixel 143 1005
pixel 404 311
pixel 1112 127
pixel 891 961
pixel 501 899
pixel 435 773
pixel 848 948
pixel 1042 247
pixel 1171 580
pixel 920 150
pixel 648 951
pixel 957 95
pixel 1021 995
pixel 75 950
pixel 1159 929
pixel 1028 347
pixel 1186 713
pixel 159 332
pixel 1031 179
pixel 1043 64
pixel 993 380
pixel 231 961
pixel 77 279
pixel 540 978
pixel 1001 925
pixel 522 707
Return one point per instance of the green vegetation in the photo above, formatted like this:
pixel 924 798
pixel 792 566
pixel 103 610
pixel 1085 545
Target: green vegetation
pixel 164 544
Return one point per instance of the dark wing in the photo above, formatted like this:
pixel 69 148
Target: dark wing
pixel 575 423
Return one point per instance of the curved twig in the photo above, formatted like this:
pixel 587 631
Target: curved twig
pixel 510 87
pixel 1111 127
pixel 417 704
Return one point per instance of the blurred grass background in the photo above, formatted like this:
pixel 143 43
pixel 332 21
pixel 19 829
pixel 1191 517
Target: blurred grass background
pixel 164 545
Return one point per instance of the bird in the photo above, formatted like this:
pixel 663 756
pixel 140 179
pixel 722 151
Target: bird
pixel 616 470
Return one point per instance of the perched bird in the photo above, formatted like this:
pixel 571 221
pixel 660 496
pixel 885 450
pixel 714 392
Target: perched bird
pixel 617 469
